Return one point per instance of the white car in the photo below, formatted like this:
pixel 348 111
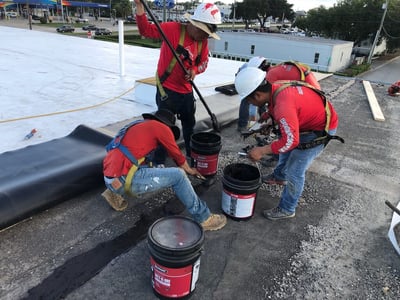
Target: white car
pixel 11 14
pixel 82 20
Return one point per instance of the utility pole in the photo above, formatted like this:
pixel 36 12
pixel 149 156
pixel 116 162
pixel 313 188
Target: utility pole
pixel 371 52
pixel 234 14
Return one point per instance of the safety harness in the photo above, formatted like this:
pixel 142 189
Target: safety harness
pixel 323 137
pixel 299 66
pixel 180 50
pixel 116 143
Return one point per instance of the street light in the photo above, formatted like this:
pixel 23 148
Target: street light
pixel 371 52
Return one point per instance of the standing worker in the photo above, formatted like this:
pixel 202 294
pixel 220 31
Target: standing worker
pixel 307 122
pixel 127 171
pixel 190 41
pixel 288 70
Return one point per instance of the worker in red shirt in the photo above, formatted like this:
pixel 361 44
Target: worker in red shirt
pixel 307 121
pixel 174 90
pixel 288 70
pixel 140 140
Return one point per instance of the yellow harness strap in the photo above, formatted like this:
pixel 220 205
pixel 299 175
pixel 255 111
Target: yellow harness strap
pixel 319 92
pixel 173 63
pixel 299 66
pixel 129 177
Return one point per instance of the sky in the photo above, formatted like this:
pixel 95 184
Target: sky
pixel 309 4
pixel 297 4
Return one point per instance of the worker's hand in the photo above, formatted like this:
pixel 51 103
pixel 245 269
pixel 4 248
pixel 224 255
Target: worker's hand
pixel 191 74
pixel 264 117
pixel 139 7
pixel 194 172
pixel 257 153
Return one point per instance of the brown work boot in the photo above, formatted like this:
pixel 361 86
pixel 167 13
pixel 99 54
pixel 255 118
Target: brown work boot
pixel 116 201
pixel 214 222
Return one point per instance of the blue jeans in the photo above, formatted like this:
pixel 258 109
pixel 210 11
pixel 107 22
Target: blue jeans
pixel 292 166
pixel 148 180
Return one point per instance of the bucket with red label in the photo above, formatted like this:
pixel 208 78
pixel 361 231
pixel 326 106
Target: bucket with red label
pixel 240 185
pixel 205 147
pixel 175 245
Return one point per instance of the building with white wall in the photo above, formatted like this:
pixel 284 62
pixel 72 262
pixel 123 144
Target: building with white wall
pixel 320 54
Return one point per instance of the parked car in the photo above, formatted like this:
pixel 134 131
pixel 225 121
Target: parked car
pixel 102 31
pixel 11 14
pixel 82 20
pixel 36 18
pixel 130 20
pixel 65 28
pixel 89 27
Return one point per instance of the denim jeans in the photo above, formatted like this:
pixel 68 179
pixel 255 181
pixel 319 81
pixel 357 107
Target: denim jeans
pixel 292 166
pixel 148 180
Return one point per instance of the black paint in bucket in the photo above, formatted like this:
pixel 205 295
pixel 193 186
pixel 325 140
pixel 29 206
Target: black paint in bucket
pixel 205 147
pixel 240 185
pixel 175 245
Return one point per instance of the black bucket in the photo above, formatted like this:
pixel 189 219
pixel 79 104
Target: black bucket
pixel 175 245
pixel 240 185
pixel 205 147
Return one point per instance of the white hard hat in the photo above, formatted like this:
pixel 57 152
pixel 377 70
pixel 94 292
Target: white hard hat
pixel 248 80
pixel 207 13
pixel 256 61
pixel 206 17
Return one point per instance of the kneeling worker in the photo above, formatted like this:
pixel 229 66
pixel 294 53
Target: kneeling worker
pixel 126 171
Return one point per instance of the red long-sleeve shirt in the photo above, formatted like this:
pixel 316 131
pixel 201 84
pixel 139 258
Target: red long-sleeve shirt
pixel 172 30
pixel 140 140
pixel 298 109
pixel 290 72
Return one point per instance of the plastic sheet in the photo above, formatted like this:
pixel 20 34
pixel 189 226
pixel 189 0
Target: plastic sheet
pixel 40 176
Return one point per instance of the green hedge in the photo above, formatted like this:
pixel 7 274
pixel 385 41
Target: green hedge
pixel 354 70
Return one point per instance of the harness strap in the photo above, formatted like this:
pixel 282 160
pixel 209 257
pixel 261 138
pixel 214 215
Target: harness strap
pixel 300 67
pixel 116 143
pixel 323 138
pixel 164 76
pixel 129 177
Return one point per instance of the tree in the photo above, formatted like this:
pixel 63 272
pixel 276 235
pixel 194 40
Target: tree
pixel 354 20
pixel 260 10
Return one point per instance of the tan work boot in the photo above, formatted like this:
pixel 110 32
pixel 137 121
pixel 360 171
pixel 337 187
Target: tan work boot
pixel 214 222
pixel 116 201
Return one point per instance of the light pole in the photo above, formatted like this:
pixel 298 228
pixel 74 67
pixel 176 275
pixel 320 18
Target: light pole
pixel 371 52
pixel 110 13
pixel 234 14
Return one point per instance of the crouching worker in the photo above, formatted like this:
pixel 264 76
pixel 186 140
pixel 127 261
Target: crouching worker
pixel 307 122
pixel 126 170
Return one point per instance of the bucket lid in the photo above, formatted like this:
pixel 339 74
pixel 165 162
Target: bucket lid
pixel 176 233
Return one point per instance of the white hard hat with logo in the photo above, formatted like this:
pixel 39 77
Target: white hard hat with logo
pixel 248 80
pixel 206 17
pixel 256 61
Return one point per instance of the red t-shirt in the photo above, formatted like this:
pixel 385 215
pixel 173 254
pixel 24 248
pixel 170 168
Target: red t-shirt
pixel 290 72
pixel 140 140
pixel 298 109
pixel 172 30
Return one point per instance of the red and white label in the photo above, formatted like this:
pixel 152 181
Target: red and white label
pixel 174 282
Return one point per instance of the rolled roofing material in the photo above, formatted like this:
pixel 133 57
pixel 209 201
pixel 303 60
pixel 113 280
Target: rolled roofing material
pixel 40 176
